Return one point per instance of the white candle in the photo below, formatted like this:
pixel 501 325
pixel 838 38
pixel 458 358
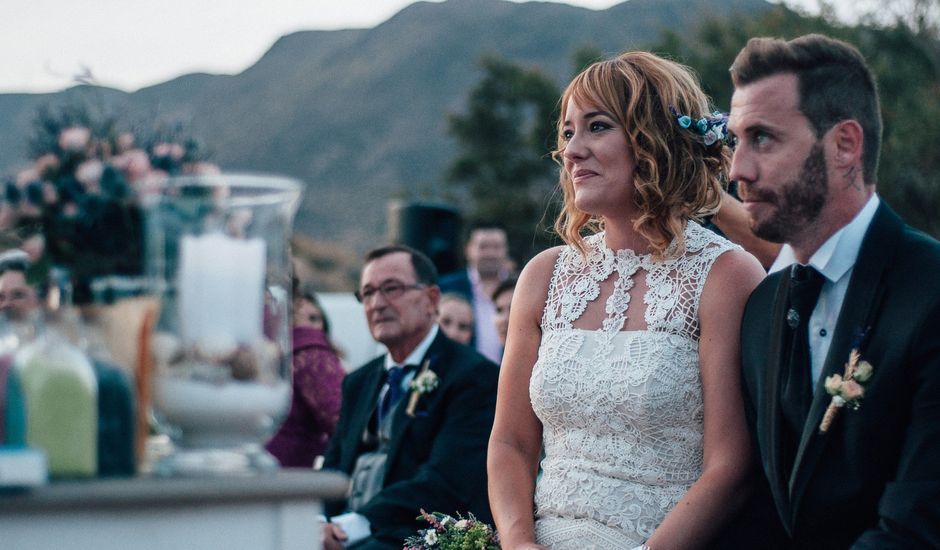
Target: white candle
pixel 221 290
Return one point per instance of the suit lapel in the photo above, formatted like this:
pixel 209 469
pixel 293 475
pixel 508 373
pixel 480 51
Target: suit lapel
pixel 770 432
pixel 372 383
pixel 400 419
pixel 862 299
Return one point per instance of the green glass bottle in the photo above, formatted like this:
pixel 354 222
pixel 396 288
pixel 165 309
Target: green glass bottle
pixel 58 384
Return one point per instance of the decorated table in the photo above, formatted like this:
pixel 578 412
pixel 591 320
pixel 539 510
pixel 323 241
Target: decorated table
pixel 275 511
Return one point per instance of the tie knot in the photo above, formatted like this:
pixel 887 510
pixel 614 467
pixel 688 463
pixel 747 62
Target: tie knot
pixel 397 373
pixel 805 274
pixel 805 285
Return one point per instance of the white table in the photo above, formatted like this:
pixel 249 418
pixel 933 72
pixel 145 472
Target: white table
pixel 276 511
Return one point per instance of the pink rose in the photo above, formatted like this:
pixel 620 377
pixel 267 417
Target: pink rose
pixel 173 150
pixel 74 139
pixel 134 163
pixel 47 165
pixel 26 176
pixel 89 173
pixel 125 142
pixel 852 390
pixel 833 384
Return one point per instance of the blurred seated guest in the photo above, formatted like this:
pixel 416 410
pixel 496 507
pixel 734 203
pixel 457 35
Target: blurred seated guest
pixel 502 299
pixel 17 297
pixel 455 316
pixel 317 382
pixel 488 263
pixel 408 446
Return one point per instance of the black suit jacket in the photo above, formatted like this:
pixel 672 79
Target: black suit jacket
pixel 873 480
pixel 437 459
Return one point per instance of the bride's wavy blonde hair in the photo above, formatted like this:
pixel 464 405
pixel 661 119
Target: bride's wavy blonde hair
pixel 677 177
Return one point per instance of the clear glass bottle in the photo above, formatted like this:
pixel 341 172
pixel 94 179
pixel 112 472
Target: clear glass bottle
pixel 60 390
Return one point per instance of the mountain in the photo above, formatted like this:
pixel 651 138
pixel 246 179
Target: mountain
pixel 360 115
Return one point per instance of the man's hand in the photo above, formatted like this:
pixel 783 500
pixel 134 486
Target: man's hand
pixel 332 537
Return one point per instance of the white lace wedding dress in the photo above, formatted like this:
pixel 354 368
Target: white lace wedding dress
pixel 621 410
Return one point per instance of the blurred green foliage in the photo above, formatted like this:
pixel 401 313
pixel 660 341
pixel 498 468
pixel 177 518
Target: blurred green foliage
pixel 507 132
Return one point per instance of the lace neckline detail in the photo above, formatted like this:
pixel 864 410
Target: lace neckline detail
pixel 674 283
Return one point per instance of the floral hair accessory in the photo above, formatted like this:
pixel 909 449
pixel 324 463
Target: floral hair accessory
pixel 847 389
pixel 713 128
pixel 447 532
pixel 425 382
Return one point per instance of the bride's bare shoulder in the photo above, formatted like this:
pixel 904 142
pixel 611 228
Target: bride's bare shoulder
pixel 538 270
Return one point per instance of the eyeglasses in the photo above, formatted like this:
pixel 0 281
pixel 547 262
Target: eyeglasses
pixel 390 291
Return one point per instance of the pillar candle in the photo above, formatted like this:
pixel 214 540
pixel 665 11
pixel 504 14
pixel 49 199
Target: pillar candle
pixel 221 290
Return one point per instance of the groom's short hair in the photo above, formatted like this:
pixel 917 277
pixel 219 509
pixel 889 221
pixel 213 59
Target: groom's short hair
pixel 834 83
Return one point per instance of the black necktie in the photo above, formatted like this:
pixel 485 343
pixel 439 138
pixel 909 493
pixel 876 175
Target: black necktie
pixel 395 392
pixel 796 394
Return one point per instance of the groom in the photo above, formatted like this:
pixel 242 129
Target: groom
pixel 806 117
pixel 407 449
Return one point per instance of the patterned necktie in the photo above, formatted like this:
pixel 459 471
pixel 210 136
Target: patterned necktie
pixel 796 393
pixel 395 391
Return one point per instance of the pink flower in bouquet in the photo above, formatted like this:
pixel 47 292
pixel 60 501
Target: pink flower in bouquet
pixel 124 143
pixel 74 139
pixel 45 164
pixel 172 150
pixel 89 174
pixel 135 164
pixel 851 390
pixel 833 384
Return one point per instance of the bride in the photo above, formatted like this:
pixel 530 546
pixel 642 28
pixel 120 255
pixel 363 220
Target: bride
pixel 622 358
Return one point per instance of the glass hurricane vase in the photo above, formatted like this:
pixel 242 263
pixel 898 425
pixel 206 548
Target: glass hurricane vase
pixel 218 251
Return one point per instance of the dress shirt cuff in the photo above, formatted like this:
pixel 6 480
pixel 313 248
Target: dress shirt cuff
pixel 356 526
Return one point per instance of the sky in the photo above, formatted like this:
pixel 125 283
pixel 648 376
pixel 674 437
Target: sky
pixel 129 44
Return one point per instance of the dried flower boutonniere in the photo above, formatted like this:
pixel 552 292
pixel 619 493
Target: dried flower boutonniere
pixel 846 390
pixel 425 382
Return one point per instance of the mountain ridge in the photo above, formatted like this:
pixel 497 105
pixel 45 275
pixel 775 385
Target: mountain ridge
pixel 360 115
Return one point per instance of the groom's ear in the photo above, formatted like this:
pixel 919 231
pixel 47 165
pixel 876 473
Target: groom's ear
pixel 847 140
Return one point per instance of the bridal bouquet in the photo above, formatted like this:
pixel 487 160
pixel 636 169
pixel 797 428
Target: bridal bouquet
pixel 449 533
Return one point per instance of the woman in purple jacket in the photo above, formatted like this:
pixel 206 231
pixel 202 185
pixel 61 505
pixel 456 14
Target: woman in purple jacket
pixel 317 379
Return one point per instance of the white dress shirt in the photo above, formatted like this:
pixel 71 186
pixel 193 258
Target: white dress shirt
pixel 835 260
pixel 484 310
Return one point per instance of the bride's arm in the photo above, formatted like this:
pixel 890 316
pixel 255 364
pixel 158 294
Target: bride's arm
pixel 516 440
pixel 713 500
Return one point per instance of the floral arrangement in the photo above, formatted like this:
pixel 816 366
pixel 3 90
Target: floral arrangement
pixel 712 129
pixel 449 533
pixel 425 382
pixel 76 206
pixel 846 389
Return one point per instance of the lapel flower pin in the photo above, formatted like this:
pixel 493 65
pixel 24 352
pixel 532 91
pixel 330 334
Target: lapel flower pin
pixel 846 389
pixel 425 382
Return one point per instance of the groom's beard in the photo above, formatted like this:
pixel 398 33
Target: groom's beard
pixel 798 202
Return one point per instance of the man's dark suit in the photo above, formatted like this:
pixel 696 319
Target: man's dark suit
pixel 436 460
pixel 873 480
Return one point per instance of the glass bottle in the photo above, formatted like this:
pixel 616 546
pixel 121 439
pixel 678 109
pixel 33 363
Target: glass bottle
pixel 60 390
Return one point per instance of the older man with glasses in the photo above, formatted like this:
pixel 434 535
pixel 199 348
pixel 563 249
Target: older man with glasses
pixel 414 422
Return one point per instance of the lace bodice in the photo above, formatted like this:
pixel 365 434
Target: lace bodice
pixel 621 411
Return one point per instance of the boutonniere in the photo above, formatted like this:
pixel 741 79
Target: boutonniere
pixel 426 381
pixel 847 389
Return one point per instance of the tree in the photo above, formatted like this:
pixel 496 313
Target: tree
pixel 504 168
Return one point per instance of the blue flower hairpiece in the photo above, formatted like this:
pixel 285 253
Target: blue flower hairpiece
pixel 712 128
